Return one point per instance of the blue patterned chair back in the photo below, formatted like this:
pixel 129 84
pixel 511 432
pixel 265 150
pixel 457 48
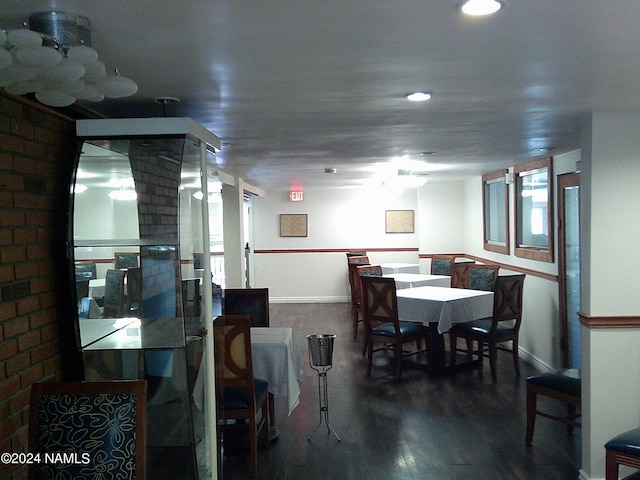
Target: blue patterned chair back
pixel 370 271
pixel 85 270
pixel 126 260
pixel 98 426
pixel 441 266
pixel 114 300
pixel 483 277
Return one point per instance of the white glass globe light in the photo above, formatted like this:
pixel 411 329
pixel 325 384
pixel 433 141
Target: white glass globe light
pixel 95 71
pixel 23 38
pixel 18 72
pixel 54 99
pixel 25 86
pixel 117 86
pixel 65 71
pixel 39 56
pixel 82 54
pixel 6 58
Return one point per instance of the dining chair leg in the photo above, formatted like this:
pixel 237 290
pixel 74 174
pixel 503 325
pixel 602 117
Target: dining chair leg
pixel 612 467
pixel 453 347
pixel 532 399
pixel 253 448
pixel 516 357
pixel 571 413
pixel 397 353
pixel 369 357
pixel 493 357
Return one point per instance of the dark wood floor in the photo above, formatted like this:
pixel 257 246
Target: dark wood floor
pixel 426 427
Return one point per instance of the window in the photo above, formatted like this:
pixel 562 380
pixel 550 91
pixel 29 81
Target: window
pixel 495 204
pixel 534 210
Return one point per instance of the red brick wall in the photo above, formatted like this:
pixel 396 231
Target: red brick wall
pixel 36 155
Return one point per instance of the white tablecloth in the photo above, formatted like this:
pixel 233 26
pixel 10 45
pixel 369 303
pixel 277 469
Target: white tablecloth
pixel 96 287
pixel 443 305
pixel 388 268
pixel 276 358
pixel 411 280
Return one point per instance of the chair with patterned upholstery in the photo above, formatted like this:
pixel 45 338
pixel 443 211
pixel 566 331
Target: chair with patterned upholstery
pixel 441 264
pixel 134 291
pixel 125 260
pixel 102 423
pixel 382 327
pixel 356 311
pixel 114 299
pixel 483 277
pixel 85 270
pixel 356 253
pixel 564 385
pixel 503 326
pixel 240 396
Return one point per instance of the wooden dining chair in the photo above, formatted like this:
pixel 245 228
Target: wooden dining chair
pixel 114 299
pixel 475 276
pixel 564 385
pixel 102 423
pixel 503 326
pixel 134 291
pixel 85 270
pixel 442 264
pixel 382 327
pixel 356 310
pixel 240 396
pixel 248 301
pixel 124 260
pixel 363 271
pixel 623 449
pixel 483 277
pixel 356 253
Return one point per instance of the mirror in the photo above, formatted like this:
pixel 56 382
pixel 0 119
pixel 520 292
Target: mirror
pixel 495 207
pixel 534 210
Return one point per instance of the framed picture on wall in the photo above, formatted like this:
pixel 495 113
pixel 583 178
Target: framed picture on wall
pixel 398 221
pixel 293 225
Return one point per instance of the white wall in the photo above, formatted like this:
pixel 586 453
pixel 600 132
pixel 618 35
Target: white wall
pixel 338 220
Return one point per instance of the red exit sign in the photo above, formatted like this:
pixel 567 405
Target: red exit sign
pixel 296 196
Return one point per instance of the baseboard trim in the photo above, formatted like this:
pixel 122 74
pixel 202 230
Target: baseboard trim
pixel 339 299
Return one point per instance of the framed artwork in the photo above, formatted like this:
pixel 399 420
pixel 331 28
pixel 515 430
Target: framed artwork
pixel 293 225
pixel 398 221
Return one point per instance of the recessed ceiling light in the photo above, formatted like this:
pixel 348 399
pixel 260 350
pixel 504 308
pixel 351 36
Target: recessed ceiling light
pixel 330 170
pixel 546 149
pixel 428 153
pixel 418 96
pixel 480 7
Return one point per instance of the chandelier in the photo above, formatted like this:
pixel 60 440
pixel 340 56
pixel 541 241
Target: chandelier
pixel 53 59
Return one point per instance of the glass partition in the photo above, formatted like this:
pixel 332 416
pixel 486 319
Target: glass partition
pixel 140 254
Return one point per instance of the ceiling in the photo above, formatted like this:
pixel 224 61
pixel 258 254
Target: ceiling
pixel 293 87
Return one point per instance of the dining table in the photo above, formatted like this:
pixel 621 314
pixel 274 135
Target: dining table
pixel 411 280
pixel 400 267
pixel 439 308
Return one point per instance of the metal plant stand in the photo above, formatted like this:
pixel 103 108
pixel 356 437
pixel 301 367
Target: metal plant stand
pixel 320 358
